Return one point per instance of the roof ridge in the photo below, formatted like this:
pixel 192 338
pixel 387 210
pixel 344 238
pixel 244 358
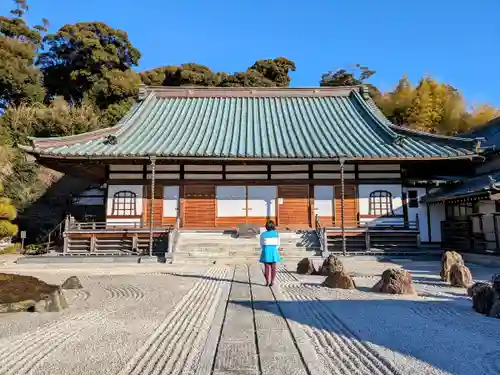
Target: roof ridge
pixel 364 104
pixel 202 91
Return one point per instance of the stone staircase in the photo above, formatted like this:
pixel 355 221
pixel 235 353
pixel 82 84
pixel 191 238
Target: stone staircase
pixel 220 247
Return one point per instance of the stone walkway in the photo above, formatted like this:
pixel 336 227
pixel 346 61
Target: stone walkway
pixel 222 320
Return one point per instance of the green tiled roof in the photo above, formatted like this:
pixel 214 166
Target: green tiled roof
pixel 316 123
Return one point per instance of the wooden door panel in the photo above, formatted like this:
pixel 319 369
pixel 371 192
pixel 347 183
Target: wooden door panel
pixel 294 210
pixel 199 206
pixel 350 206
pixel 158 205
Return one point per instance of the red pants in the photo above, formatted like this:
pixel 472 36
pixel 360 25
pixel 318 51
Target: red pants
pixel 270 268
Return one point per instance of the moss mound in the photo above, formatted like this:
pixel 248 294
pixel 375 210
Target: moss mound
pixel 16 288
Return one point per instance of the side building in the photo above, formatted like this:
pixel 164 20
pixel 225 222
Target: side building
pixel 216 158
pixel 472 203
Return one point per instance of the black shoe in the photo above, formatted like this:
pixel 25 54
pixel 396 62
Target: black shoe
pixel 267 283
pixel 271 284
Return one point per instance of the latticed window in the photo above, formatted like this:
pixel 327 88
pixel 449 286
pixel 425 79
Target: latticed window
pixel 380 203
pixel 124 203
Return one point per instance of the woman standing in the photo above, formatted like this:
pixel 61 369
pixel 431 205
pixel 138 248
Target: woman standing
pixel 270 242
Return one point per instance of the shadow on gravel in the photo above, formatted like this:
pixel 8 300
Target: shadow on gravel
pixel 203 277
pixel 447 335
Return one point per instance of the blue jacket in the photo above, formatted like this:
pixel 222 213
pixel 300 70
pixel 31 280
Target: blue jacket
pixel 270 242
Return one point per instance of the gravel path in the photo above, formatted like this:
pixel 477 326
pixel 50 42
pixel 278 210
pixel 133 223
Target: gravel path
pixel 220 320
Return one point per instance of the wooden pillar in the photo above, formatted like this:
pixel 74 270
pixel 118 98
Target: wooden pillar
pixel 152 205
pixel 495 226
pixel 342 204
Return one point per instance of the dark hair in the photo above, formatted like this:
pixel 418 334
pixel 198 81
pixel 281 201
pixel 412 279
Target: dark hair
pixel 270 225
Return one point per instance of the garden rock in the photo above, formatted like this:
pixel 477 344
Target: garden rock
pixel 395 281
pixel 330 265
pixel 72 283
pixel 496 284
pixel 495 310
pixel 306 267
pixel 483 299
pixel 339 279
pixel 449 259
pixel 460 276
pixel 475 287
pixel 21 306
pixel 55 301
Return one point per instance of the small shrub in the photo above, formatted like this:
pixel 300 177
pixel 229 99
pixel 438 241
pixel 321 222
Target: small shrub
pixel 34 249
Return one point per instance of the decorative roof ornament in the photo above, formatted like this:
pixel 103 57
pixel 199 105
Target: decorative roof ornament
pixel 142 92
pixel 364 92
pixel 110 140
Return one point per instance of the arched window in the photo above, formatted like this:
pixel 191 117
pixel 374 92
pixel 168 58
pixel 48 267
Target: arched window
pixel 124 203
pixel 380 203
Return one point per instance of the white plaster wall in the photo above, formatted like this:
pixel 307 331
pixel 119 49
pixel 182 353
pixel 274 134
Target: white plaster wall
pixel 437 214
pixel 364 205
pixel 421 210
pixel 113 189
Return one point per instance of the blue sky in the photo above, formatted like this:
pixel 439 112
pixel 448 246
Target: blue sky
pixel 454 41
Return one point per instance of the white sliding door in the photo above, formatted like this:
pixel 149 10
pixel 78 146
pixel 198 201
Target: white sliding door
pixel 231 201
pixel 170 201
pixel 262 201
pixel 323 201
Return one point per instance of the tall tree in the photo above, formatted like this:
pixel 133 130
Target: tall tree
pixel 91 61
pixel 263 73
pixel 396 105
pixel 276 70
pixel 352 76
pixel 20 80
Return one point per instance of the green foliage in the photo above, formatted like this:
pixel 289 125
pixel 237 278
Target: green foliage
pixel 34 249
pixel 276 71
pixel 56 119
pixel 20 80
pixel 90 61
pixel 355 75
pixel 263 73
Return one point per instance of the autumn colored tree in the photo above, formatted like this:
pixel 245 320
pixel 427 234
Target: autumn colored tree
pixel 7 214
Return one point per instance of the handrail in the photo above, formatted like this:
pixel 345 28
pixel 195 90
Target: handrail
pixel 321 234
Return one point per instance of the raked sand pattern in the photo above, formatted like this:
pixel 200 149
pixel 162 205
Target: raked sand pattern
pixel 222 320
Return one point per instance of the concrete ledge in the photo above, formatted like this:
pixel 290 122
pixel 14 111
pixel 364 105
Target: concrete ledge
pixel 482 259
pixel 90 259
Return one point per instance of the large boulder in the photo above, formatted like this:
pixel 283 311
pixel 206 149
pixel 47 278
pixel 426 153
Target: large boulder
pixel 475 287
pixel 339 279
pixel 330 265
pixel 496 284
pixel 460 276
pixel 449 259
pixel 395 281
pixel 72 283
pixel 495 309
pixel 483 299
pixel 306 267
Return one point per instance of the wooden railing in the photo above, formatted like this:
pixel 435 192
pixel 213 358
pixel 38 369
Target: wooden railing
pixel 321 234
pixel 476 233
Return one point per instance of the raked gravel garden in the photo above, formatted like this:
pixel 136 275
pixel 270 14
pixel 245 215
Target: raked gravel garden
pixel 221 319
